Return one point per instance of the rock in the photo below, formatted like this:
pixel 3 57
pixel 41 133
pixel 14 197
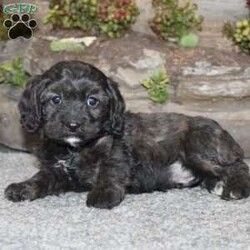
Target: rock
pixel 10 129
pixel 131 76
pixel 207 90
pixel 206 81
pixel 141 69
pixel 151 59
pixel 146 14
pixel 205 68
pixel 39 57
pixel 13 48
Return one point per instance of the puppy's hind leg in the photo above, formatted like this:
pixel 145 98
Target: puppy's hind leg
pixel 233 184
pixel 45 182
pixel 231 181
pixel 213 154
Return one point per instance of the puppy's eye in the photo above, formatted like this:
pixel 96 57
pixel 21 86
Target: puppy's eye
pixel 92 101
pixel 56 100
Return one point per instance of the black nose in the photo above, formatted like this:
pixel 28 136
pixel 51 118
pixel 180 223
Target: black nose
pixel 73 125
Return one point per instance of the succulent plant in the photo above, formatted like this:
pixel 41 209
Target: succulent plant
pixel 239 33
pixel 172 22
pixel 66 45
pixel 116 16
pixel 12 72
pixel 109 17
pixel 3 31
pixel 157 86
pixel 72 14
pixel 189 40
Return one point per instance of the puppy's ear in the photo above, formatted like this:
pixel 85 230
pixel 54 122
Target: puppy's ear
pixel 117 107
pixel 30 106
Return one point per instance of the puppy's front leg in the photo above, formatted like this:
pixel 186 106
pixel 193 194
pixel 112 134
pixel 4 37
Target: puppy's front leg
pixel 109 190
pixel 45 182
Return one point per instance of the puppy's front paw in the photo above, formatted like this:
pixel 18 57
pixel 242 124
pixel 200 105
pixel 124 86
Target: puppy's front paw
pixel 20 192
pixel 105 198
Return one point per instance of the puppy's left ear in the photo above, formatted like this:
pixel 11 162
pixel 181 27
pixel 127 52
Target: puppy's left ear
pixel 115 125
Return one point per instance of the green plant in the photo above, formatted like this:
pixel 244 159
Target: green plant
pixel 3 30
pixel 172 21
pixel 189 41
pixel 239 33
pixel 72 14
pixel 116 16
pixel 12 72
pixel 157 86
pixel 109 17
pixel 67 44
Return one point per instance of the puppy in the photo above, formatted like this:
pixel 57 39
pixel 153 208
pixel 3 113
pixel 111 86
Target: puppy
pixel 88 142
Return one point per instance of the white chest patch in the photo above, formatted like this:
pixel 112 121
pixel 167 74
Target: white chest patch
pixel 180 174
pixel 63 164
pixel 73 141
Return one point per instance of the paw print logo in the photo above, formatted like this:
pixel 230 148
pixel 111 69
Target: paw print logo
pixel 20 26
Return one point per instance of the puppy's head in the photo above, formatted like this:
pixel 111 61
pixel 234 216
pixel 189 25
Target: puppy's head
pixel 72 102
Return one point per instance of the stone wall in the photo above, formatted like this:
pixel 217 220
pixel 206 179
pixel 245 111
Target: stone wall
pixel 205 81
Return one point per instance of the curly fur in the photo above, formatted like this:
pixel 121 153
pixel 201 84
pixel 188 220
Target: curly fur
pixel 109 152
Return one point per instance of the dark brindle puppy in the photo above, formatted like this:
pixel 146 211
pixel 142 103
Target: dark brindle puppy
pixel 89 143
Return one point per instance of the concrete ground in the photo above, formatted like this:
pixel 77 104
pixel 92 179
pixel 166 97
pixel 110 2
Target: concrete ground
pixel 179 219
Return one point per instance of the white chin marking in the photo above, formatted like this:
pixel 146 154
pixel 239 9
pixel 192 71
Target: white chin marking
pixel 73 141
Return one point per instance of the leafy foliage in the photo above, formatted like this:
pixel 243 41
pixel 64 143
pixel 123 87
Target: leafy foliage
pixel 172 21
pixel 67 44
pixel 12 72
pixel 157 86
pixel 109 17
pixel 72 14
pixel 116 16
pixel 189 41
pixel 3 30
pixel 239 33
